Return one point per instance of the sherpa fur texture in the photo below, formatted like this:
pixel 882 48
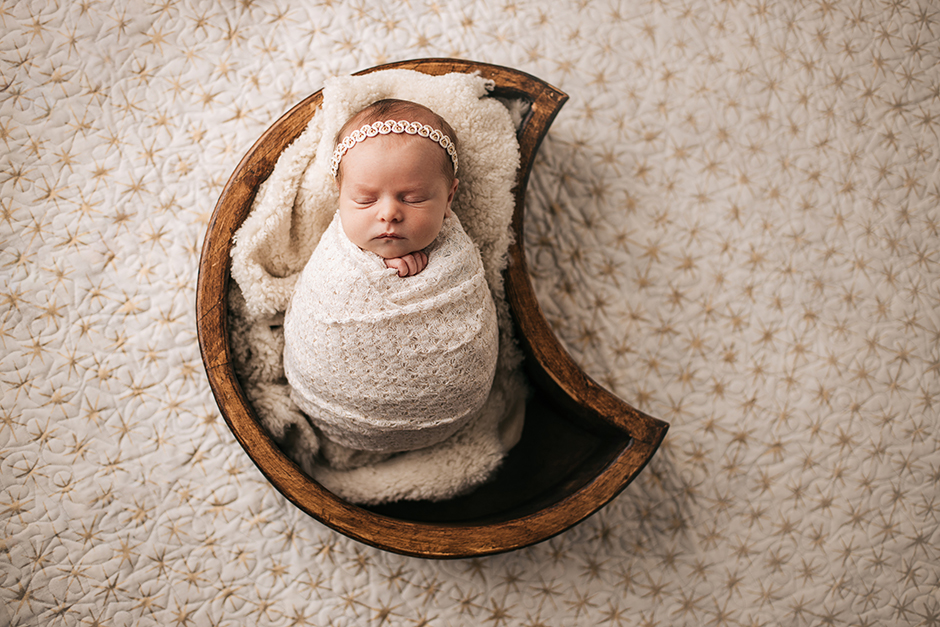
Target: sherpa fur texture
pixel 293 208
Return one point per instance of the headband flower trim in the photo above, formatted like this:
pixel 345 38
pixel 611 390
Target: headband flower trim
pixel 391 126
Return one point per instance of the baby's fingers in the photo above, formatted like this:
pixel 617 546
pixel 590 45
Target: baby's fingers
pixel 411 265
pixel 417 261
pixel 421 259
pixel 405 265
pixel 408 265
pixel 396 263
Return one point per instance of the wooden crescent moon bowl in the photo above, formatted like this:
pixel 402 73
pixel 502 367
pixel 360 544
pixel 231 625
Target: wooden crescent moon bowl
pixel 581 445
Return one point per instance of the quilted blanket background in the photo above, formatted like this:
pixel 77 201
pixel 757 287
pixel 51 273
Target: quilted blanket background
pixel 734 224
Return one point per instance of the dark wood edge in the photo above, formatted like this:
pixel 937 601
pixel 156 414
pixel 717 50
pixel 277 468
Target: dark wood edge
pixel 405 537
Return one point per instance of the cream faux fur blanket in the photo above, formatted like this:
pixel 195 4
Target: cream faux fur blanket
pixel 292 210
pixel 384 363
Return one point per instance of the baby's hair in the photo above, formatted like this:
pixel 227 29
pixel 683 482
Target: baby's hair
pixel 394 109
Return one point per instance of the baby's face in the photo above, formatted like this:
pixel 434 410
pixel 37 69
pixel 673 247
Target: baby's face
pixel 393 197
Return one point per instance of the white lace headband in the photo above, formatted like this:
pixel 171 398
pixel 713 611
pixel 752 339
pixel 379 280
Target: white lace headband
pixel 391 126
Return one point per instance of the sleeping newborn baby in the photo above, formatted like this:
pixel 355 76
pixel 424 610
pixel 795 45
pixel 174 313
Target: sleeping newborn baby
pixel 390 338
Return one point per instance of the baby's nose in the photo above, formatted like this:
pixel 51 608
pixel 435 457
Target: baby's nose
pixel 390 211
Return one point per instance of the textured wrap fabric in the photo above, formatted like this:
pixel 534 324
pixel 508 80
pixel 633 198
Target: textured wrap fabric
pixel 384 363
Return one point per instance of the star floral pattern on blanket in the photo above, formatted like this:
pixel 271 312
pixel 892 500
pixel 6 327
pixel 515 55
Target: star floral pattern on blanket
pixel 734 224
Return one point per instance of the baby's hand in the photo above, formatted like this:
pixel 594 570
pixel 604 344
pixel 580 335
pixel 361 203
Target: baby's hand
pixel 408 265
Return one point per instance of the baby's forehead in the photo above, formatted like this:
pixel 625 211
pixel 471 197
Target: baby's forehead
pixel 415 145
pixel 411 149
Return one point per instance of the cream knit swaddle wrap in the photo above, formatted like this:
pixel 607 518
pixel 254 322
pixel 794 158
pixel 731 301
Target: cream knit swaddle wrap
pixel 384 363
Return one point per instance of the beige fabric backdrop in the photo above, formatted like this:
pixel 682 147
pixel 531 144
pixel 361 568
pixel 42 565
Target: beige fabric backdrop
pixel 733 225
